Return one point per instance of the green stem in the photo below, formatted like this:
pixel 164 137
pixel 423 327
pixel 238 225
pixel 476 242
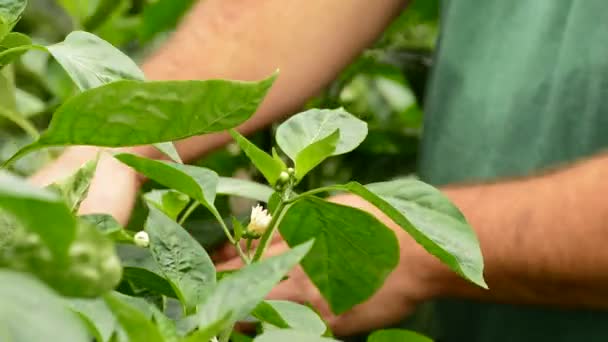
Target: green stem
pixel 22 48
pixel 20 121
pixel 272 226
pixel 218 217
pixel 187 213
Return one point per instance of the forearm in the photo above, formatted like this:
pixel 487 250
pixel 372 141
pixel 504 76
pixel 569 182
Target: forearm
pixel 309 41
pixel 543 238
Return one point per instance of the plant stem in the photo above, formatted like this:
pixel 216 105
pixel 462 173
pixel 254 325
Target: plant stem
pixel 272 226
pixel 188 211
pixel 20 121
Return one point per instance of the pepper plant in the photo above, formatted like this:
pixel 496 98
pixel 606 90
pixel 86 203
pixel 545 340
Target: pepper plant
pixel 61 278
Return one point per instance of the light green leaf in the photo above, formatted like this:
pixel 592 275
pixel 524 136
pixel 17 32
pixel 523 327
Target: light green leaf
pixel 128 113
pixel 268 166
pixel 75 188
pixel 431 219
pixel 97 315
pixel 10 41
pixel 255 280
pixel 32 312
pixel 168 149
pixel 303 129
pixel 296 316
pixel 92 62
pixel 353 251
pixel 391 335
pixel 313 154
pixel 244 188
pixel 136 324
pixel 183 261
pixel 10 13
pixel 197 182
pixel 53 221
pixel 170 202
pixel 282 335
pixel 78 9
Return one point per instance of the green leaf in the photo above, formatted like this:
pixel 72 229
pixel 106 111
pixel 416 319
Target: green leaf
pixel 53 221
pixel 267 314
pixel 183 261
pixel 75 188
pixel 283 335
pixel 390 335
pixel 268 166
pixel 92 62
pixel 431 219
pixel 308 127
pixel 10 13
pixel 240 292
pixel 313 154
pixel 108 226
pixel 97 315
pixel 162 15
pixel 128 113
pixel 294 316
pixel 244 188
pixel 170 202
pixel 10 41
pixel 353 251
pixel 197 182
pixel 142 278
pixel 137 326
pixel 168 149
pixel 238 229
pixel 77 9
pixel 32 312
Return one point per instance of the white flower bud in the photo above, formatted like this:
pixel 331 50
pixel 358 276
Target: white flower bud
pixel 260 219
pixel 141 239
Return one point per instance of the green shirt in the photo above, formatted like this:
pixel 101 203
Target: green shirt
pixel 518 85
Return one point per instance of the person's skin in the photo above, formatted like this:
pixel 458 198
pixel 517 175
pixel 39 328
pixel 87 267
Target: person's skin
pixel 542 237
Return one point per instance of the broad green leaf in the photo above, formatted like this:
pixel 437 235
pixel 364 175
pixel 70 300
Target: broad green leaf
pixel 282 335
pixel 75 188
pixel 53 222
pixel 183 261
pixel 268 166
pixel 303 129
pixel 244 188
pixel 254 282
pixel 30 311
pixel 268 315
pixel 10 13
pixel 142 278
pixel 128 113
pixel 98 316
pixel 390 335
pixel 295 316
pixel 313 154
pixel 170 202
pixel 353 251
pixel 136 324
pixel 11 41
pixel 431 219
pixel 162 15
pixel 168 149
pixel 92 62
pixel 197 182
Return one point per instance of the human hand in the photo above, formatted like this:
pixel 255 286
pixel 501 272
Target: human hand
pixel 415 280
pixel 113 189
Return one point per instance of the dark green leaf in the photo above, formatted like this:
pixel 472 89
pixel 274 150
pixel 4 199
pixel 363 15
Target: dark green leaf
pixel 282 335
pixel 109 227
pixel 254 282
pixel 182 259
pixel 170 202
pixel 142 278
pixel 431 219
pixel 162 15
pixel 197 182
pixel 244 188
pixel 267 314
pixel 303 129
pixel 353 251
pixel 295 316
pixel 128 113
pixel 98 316
pixel 74 188
pixel 268 166
pixel 92 62
pixel 32 312
pixel 238 229
pixel 313 154
pixel 136 324
pixel 391 335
